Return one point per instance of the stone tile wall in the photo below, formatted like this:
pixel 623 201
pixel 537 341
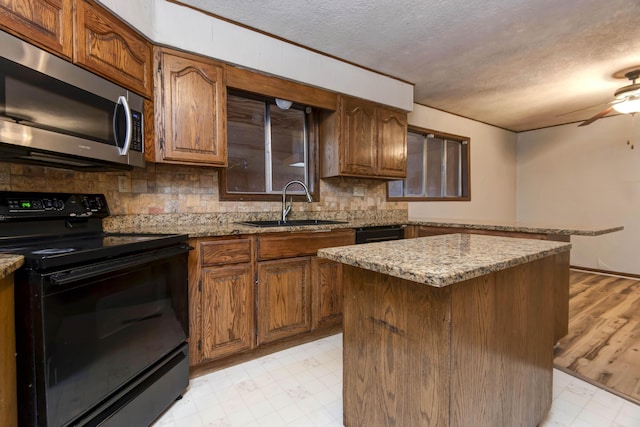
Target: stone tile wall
pixel 165 189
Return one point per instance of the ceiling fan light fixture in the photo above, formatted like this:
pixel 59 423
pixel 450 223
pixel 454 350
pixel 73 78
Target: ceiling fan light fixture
pixel 628 106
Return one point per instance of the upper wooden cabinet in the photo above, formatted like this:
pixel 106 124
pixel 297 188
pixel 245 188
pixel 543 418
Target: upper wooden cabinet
pixel 85 33
pixel 105 45
pixel 190 110
pixel 46 23
pixel 364 139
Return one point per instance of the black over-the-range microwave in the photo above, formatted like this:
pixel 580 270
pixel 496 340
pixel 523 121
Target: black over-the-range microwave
pixel 55 113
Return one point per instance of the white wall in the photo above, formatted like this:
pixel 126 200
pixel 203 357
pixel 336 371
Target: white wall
pixel 181 27
pixel 586 175
pixel 493 169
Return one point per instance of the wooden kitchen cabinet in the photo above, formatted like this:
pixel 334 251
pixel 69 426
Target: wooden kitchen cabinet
pixel 249 295
pixel 45 23
pixel 328 293
pixel 363 139
pixel 298 292
pixel 221 298
pixel 190 110
pixel 284 298
pixel 107 46
pixel 85 33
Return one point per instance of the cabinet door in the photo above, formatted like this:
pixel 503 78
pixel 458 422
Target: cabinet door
pixel 284 298
pixel 193 110
pixel 46 23
pixel 327 298
pixel 392 143
pixel 106 46
pixel 358 148
pixel 227 310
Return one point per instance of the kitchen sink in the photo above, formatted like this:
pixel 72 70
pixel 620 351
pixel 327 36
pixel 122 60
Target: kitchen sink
pixel 291 223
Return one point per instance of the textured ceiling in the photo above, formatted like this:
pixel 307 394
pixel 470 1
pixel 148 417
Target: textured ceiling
pixel 517 64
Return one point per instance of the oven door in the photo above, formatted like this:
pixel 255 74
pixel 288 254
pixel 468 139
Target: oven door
pixel 98 327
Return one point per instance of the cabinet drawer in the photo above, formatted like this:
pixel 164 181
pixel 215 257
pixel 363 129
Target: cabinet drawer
pixel 229 251
pixel 291 245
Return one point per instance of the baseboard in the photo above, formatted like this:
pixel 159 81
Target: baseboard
pixel 606 272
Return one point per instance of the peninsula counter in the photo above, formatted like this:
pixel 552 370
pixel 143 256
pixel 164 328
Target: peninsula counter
pixel 451 330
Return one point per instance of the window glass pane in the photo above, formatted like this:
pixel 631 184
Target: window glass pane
pixel 453 168
pixel 395 188
pixel 435 151
pixel 415 164
pixel 246 147
pixel 287 147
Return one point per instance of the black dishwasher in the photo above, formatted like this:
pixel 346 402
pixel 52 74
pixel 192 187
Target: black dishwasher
pixel 380 233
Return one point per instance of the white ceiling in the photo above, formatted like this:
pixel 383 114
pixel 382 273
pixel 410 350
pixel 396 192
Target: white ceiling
pixel 517 64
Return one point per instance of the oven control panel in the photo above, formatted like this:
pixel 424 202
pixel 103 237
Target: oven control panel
pixel 23 205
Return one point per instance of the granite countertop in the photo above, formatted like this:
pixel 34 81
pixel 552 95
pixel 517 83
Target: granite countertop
pixel 9 264
pixel 518 226
pixel 212 229
pixel 443 260
pixel 211 225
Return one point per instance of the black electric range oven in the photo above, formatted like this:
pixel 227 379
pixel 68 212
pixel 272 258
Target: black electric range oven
pixel 101 319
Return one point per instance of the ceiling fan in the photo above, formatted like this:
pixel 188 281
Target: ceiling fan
pixel 627 99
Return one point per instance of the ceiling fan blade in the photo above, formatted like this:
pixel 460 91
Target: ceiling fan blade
pixel 597 116
pixel 583 109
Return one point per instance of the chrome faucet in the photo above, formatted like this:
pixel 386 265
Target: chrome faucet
pixel 287 208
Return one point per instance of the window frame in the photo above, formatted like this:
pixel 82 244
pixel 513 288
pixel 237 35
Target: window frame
pixel 312 166
pixel 465 179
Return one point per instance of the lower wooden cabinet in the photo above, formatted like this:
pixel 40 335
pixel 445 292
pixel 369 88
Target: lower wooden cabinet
pixel 327 299
pixel 249 291
pixel 221 298
pixel 284 298
pixel 227 311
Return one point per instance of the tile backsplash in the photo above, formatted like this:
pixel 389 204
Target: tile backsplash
pixel 169 189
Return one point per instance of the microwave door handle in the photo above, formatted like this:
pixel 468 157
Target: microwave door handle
pixel 124 150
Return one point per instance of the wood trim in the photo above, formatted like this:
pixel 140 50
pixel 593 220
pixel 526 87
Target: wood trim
pixel 609 272
pixel 263 84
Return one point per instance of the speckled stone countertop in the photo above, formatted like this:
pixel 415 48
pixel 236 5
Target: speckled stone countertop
pixel 443 260
pixel 515 226
pixel 9 264
pixel 211 225
pixel 227 224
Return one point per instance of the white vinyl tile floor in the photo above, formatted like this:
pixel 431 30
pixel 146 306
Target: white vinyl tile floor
pixel 302 386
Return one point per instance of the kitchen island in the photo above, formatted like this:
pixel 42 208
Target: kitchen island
pixel 451 330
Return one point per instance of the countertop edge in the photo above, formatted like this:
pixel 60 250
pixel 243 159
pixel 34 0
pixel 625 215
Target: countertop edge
pixel 435 279
pixel 522 228
pixel 9 264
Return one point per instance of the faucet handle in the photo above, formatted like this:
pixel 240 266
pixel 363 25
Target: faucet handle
pixel 287 208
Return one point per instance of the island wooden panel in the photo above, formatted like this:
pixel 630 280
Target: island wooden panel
pixel 396 351
pixel 561 276
pixel 475 353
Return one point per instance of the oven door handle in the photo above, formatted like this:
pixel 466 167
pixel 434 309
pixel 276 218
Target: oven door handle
pixel 118 264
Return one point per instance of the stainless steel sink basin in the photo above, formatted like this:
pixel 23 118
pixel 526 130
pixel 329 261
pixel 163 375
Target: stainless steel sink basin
pixel 291 223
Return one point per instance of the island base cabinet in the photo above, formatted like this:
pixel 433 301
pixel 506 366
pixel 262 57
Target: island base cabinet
pixel 475 353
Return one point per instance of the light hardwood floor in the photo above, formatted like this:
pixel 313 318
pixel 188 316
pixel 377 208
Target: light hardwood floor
pixel 603 344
